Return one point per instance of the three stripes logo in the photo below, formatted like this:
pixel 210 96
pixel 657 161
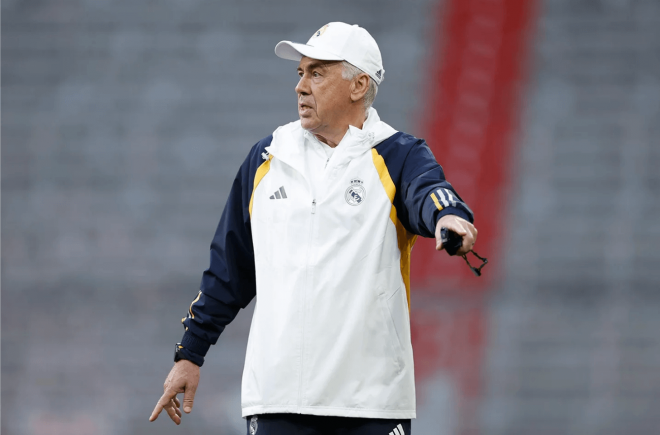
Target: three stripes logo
pixel 279 194
pixel 444 198
pixel 398 431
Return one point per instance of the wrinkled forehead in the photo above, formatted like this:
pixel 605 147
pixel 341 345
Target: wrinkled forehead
pixel 309 63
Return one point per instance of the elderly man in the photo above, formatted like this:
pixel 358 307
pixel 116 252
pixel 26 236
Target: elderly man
pixel 319 225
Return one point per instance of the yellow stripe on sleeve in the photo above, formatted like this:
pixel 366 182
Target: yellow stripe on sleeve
pixel 384 174
pixel 199 295
pixel 435 200
pixel 258 176
pixel 405 239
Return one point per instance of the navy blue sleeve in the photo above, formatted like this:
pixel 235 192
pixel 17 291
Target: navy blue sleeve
pixel 229 283
pixel 423 195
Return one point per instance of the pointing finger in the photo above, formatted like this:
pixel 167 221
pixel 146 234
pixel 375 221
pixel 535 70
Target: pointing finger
pixel 162 402
pixel 156 412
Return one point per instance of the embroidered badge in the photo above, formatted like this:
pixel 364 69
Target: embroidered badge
pixel 356 192
pixel 253 425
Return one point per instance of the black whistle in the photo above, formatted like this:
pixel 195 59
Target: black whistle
pixel 451 241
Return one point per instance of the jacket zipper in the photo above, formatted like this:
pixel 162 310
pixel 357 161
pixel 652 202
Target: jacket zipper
pixel 304 311
pixel 304 302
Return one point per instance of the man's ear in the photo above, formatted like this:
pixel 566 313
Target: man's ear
pixel 359 87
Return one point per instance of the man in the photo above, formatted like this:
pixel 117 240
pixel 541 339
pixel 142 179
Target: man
pixel 319 225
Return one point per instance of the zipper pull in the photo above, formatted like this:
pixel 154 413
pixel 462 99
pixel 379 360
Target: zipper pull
pixel 313 206
pixel 326 162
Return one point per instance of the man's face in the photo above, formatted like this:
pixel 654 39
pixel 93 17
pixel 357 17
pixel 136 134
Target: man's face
pixel 323 95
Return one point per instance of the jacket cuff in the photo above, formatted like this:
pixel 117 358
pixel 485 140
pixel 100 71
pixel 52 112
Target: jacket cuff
pixel 452 210
pixel 195 344
pixel 183 353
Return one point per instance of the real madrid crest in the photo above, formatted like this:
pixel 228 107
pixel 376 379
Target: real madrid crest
pixel 320 31
pixel 253 425
pixel 356 193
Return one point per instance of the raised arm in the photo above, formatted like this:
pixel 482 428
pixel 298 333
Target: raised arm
pixel 424 199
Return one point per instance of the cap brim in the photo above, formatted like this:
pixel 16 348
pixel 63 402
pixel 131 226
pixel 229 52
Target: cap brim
pixel 294 51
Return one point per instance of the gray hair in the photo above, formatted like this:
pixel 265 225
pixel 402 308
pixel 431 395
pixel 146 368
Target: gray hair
pixel 350 72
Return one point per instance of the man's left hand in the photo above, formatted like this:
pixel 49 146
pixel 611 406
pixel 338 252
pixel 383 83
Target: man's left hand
pixel 461 227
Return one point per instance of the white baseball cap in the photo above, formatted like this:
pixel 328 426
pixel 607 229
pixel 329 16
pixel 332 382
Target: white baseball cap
pixel 338 41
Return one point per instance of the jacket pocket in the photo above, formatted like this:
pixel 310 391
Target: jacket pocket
pixel 393 333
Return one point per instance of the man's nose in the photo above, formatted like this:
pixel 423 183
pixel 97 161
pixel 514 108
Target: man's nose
pixel 303 86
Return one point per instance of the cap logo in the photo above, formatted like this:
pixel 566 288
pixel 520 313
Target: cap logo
pixel 320 32
pixel 379 74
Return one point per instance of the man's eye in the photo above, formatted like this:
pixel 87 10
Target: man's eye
pixel 300 74
pixel 315 74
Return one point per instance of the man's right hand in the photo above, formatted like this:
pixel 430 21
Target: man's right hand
pixel 183 378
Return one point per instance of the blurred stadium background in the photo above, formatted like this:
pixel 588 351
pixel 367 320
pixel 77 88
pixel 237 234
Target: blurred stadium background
pixel 124 122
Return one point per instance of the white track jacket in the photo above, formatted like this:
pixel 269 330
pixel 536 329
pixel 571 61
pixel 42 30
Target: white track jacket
pixel 324 244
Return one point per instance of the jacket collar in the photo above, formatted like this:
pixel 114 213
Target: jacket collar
pixel 289 145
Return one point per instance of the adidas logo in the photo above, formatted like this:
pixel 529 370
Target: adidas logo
pixel 398 431
pixel 379 74
pixel 279 194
